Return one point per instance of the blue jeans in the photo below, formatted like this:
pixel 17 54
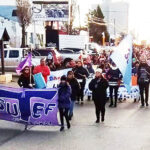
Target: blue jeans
pixel 71 107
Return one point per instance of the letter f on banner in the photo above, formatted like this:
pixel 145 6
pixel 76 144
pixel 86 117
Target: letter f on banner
pixel 122 57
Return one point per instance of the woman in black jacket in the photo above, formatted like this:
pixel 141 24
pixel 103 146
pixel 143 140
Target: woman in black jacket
pixel 114 77
pixel 26 80
pixel 75 87
pixel 81 74
pixel 98 87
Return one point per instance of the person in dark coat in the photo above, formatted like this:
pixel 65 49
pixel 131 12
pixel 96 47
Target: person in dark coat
pixel 64 99
pixel 143 76
pixel 90 68
pixel 81 74
pixel 75 87
pixel 114 77
pixel 98 87
pixel 26 80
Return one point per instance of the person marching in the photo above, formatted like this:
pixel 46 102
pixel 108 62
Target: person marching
pixel 81 74
pixel 143 76
pixel 64 100
pixel 114 77
pixel 98 87
pixel 75 87
pixel 43 68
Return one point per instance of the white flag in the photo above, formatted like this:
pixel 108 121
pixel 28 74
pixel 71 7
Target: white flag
pixel 122 57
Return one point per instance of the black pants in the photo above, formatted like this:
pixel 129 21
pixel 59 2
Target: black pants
pixel 64 112
pixel 115 89
pixel 81 91
pixel 144 88
pixel 99 109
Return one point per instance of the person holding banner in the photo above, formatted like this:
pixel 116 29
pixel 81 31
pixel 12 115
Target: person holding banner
pixel 143 81
pixel 43 68
pixel 26 79
pixel 81 74
pixel 64 100
pixel 114 77
pixel 75 87
pixel 98 87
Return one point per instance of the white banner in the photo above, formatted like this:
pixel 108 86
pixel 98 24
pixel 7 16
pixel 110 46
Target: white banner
pixel 54 80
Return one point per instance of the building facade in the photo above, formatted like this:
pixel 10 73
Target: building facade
pixel 35 33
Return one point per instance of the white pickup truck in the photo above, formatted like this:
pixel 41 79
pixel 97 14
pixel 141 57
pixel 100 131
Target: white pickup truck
pixel 13 56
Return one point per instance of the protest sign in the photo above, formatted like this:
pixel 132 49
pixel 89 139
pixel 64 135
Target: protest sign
pixel 32 107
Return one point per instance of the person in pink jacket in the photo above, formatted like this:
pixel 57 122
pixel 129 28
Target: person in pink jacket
pixel 43 69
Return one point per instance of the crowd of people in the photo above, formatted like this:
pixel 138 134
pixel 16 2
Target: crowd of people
pixel 106 74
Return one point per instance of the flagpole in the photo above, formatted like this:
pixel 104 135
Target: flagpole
pixel 31 68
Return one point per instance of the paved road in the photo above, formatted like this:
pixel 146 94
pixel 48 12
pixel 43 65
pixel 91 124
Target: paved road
pixel 126 127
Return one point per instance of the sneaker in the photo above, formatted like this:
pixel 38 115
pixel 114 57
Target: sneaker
pixel 97 121
pixel 61 129
pixel 110 105
pixel 82 103
pixel 146 104
pixel 115 105
pixel 68 125
pixel 102 119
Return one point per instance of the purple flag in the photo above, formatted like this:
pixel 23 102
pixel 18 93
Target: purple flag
pixel 24 63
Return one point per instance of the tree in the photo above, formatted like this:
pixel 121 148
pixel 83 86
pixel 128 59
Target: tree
pixel 97 25
pixel 24 13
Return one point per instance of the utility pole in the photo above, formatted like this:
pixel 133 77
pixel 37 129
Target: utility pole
pixel 114 27
pixel 2 56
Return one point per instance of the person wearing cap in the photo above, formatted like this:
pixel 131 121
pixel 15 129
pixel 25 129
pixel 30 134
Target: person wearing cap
pixel 114 77
pixel 98 86
pixel 64 100
pixel 143 78
pixel 81 74
pixel 43 68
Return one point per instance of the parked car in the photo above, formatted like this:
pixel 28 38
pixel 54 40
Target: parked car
pixel 13 56
pixel 69 54
pixel 57 58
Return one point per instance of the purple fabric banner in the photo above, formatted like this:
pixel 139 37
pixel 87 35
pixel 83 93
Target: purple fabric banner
pixel 24 63
pixel 33 107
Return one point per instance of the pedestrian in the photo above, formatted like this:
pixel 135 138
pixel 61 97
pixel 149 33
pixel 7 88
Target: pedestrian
pixel 98 87
pixel 81 74
pixel 143 76
pixel 114 77
pixel 64 100
pixel 75 87
pixel 42 68
pixel 26 79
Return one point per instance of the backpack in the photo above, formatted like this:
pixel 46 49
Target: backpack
pixel 143 76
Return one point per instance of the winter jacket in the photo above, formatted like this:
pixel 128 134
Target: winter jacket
pixel 44 70
pixel 79 73
pixel 143 73
pixel 90 68
pixel 98 86
pixel 64 96
pixel 24 81
pixel 75 87
pixel 113 76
